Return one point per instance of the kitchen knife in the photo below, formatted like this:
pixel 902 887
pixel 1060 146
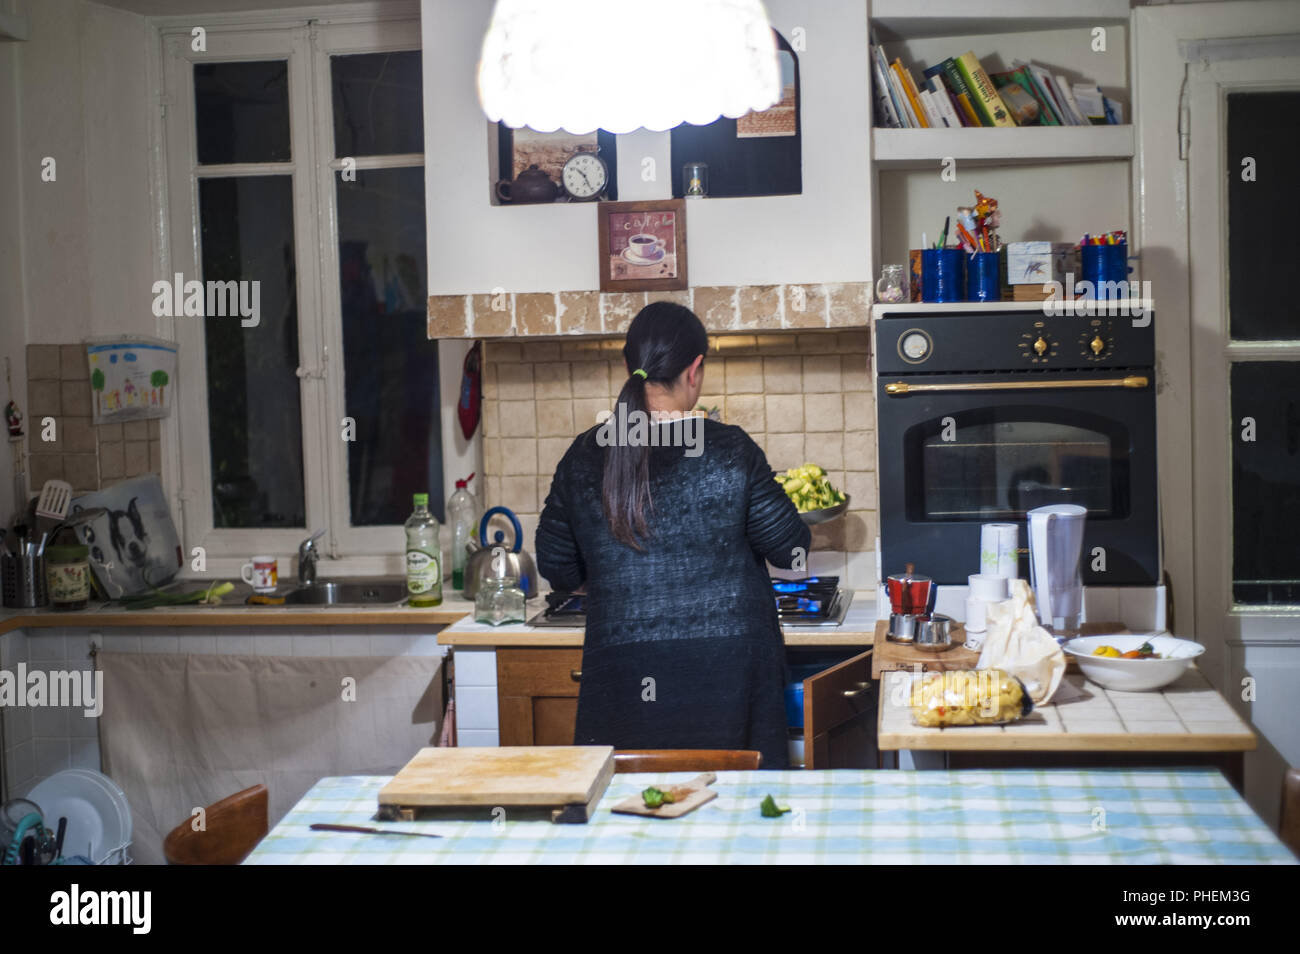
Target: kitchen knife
pixel 360 830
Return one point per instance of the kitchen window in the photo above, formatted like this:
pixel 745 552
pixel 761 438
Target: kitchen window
pixel 295 160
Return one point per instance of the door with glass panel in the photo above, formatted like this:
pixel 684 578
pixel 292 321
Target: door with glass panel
pixel 1245 137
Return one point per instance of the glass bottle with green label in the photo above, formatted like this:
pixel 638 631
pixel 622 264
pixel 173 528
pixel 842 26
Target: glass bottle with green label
pixel 423 556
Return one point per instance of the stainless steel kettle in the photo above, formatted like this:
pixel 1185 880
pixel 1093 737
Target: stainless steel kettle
pixel 514 560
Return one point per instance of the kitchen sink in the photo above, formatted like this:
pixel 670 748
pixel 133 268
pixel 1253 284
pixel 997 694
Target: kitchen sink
pixel 358 592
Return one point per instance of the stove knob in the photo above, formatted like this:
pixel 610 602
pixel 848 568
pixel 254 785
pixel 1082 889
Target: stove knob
pixel 1097 345
pixel 1040 346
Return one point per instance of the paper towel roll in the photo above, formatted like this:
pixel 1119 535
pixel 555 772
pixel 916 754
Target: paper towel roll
pixel 988 587
pixel 976 615
pixel 998 542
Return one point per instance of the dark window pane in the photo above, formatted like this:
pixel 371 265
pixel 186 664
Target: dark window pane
pixel 254 410
pixel 1262 243
pixel 241 112
pixel 377 104
pixel 391 367
pixel 1266 482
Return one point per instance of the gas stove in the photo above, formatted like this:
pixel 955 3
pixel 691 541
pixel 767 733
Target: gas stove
pixel 814 601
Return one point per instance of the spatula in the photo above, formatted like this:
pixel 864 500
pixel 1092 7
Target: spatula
pixel 51 508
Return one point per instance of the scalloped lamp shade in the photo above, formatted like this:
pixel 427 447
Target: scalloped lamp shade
pixel 621 65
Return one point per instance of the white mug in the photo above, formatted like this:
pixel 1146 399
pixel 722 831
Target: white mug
pixel 261 573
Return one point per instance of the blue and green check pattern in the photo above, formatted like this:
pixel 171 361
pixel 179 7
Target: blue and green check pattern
pixel 1190 816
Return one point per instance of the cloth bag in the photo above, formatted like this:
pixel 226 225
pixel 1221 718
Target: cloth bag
pixel 1016 644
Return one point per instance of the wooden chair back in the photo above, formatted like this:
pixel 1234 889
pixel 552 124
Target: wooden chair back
pixel 686 760
pixel 233 827
pixel 1289 830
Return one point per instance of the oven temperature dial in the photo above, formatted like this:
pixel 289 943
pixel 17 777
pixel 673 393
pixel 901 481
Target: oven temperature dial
pixel 914 346
pixel 1037 346
pixel 1094 345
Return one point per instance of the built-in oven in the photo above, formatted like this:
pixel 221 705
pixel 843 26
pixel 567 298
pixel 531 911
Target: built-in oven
pixel 983 417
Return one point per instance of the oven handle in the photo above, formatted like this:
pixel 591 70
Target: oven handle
pixel 1131 381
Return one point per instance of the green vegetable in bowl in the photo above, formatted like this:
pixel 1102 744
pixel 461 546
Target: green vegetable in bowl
pixel 770 809
pixel 808 488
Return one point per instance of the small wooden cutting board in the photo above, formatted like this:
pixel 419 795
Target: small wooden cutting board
pixel 699 794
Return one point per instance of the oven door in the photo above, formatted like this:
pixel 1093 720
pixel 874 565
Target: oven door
pixel 958 451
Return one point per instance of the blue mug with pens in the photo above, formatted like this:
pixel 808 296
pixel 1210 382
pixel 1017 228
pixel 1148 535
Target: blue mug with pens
pixel 941 275
pixel 982 278
pixel 1103 271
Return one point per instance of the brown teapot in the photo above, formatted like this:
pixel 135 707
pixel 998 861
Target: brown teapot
pixel 531 185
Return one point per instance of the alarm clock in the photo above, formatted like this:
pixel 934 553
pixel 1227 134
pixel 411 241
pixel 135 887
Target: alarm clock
pixel 585 176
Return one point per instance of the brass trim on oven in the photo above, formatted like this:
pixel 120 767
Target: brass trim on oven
pixel 1131 381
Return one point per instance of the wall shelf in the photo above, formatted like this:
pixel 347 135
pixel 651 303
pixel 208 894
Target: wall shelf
pixel 897 19
pixel 923 148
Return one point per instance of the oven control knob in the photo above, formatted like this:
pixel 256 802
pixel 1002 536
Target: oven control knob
pixel 1097 345
pixel 1040 346
pixel 915 346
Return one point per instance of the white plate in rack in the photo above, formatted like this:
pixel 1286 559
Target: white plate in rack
pixel 99 818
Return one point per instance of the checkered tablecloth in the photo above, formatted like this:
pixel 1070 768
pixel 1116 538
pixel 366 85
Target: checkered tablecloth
pixel 845 816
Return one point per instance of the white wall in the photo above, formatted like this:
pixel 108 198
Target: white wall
pixel 821 235
pixel 13 332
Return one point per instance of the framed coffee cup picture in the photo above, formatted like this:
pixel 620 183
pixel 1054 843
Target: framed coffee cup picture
pixel 642 245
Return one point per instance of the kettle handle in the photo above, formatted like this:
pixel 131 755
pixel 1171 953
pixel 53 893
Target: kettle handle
pixel 514 522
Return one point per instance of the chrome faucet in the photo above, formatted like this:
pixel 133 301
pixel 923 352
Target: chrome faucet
pixel 307 556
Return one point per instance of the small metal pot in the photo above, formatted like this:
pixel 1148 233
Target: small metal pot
pixel 902 628
pixel 933 633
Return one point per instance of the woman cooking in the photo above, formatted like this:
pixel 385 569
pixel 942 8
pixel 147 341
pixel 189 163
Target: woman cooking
pixel 668 525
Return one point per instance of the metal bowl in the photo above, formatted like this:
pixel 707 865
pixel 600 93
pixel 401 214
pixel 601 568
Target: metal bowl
pixel 814 517
pixel 933 633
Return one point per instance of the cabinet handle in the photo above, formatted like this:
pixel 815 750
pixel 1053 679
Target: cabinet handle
pixel 575 675
pixel 854 693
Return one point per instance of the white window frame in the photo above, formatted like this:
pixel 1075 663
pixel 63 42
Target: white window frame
pixel 306 39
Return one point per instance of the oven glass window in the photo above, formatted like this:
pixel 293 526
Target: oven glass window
pixel 1000 463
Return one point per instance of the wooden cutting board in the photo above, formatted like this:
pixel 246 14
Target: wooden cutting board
pixel 568 779
pixel 888 655
pixel 700 793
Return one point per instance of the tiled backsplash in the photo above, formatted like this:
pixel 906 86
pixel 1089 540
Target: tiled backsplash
pixel 85 455
pixel 802 397
pixel 505 314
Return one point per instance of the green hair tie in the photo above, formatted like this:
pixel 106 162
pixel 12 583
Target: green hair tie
pixel 641 371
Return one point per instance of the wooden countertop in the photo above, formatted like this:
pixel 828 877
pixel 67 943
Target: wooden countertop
pixel 1186 716
pixel 858 629
pixel 236 614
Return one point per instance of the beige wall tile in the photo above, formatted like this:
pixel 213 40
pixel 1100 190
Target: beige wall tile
pixel 774 344
pixel 492 417
pixel 715 375
pixel 489 379
pixel 515 382
pixel 859 411
pixel 580 312
pixel 82 470
pixel 716 306
pixel 42 362
pixel 861 486
pixel 136 458
pixel 681 297
pixel 448 316
pixel 827 450
pixel 155 456
pixel 855 372
pixel 854 342
pixel 821 374
pixel 517 418
pixel 535 314
pixel 805 306
pixel 494 315
pixel 747 411
pixel 860 450
pixel 543 488
pixel 617 309
pixel 732 344
pixel 109 432
pixel 744 375
pixel 783 450
pixel 112 463
pixel 135 430
pixel 519 493
pixel 585 411
pixel 43 467
pixel 155 429
pixel 783 375
pixel 492 465
pixel 77 436
pixel 589 379
pixel 519 457
pixel 551 379
pixel 540 351
pixel 784 413
pixel 828 536
pixel 549 452
pixel 850 304
pixel 859 531
pixel 823 412
pixel 503 352
pixel 758 306
pixel 820 342
pixel 555 418
pixel 492 487
pixel 43 398
pixel 73 365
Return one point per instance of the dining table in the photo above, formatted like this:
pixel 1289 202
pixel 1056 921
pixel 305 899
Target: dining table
pixel 839 816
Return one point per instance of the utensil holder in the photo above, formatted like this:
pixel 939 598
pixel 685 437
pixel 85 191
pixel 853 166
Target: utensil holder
pixel 941 275
pixel 23 578
pixel 1105 272
pixel 982 282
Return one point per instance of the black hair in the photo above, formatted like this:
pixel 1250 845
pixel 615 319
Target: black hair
pixel 662 341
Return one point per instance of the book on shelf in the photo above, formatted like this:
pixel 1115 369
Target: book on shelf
pixel 886 111
pixel 953 112
pixel 959 89
pixel 1070 104
pixel 1091 103
pixel 1018 91
pixel 912 93
pixel 993 112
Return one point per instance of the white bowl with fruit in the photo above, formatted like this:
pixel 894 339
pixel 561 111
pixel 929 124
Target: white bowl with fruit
pixel 1133 662
pixel 812 494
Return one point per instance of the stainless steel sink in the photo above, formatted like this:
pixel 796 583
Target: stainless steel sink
pixel 355 592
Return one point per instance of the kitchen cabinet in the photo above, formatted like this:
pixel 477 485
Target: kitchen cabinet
pixel 839 707
pixel 537 694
